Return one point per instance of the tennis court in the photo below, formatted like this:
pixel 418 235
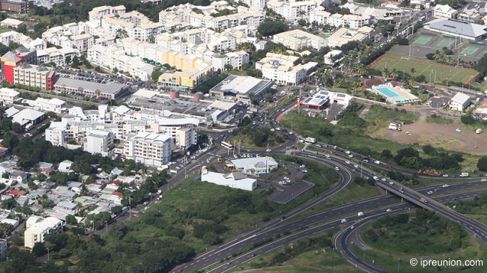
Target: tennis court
pixel 423 40
pixel 445 42
pixel 470 50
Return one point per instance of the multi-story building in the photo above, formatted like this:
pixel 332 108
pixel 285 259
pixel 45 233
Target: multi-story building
pixel 148 148
pixel 98 142
pixel 18 6
pixel 12 59
pixel 345 35
pixel 82 42
pixel 293 10
pixel 57 56
pixel 54 105
pixel 39 229
pixel 95 15
pixel 34 76
pixel 444 11
pixel 134 24
pixel 233 60
pixel 298 39
pixel 284 69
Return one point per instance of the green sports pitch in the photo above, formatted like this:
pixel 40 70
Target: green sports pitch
pixel 434 73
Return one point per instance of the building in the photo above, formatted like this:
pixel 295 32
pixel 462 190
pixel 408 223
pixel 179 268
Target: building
pixel 8 95
pixel 34 76
pixel 98 142
pixel 57 134
pixel 57 56
pixel 333 57
pixel 395 94
pixel 18 6
pixel 293 10
pixel 242 88
pixel 28 118
pixel 148 148
pixel 233 180
pixel 38 229
pixel 298 39
pixel 10 22
pixel 320 100
pixel 444 11
pixel 109 91
pixel 12 59
pixel 473 12
pixel 284 69
pixel 459 102
pixel 48 105
pixel 254 165
pixel 459 29
pixel 345 35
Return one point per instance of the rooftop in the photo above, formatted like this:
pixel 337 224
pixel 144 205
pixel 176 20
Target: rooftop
pixel 457 27
pixel 241 85
pixel 112 88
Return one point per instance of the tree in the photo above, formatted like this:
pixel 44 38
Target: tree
pixel 481 65
pixel 39 249
pixel 482 164
pixel 155 75
pixel 268 27
pixel 70 219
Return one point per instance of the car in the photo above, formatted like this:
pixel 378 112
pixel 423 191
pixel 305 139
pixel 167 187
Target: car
pixel 383 179
pixel 445 186
pixel 391 183
pixel 352 227
pixel 445 175
pixel 347 152
pixel 360 214
pixel 337 169
pixel 355 166
pixel 429 193
pixel 343 220
pixel 401 190
pixel 375 178
pixel 327 156
pixel 365 160
pixel 348 162
pixel 268 150
pixel 377 162
pixel 388 210
pixel 350 155
pixel 483 180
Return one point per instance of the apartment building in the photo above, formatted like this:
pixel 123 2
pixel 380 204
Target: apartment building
pixel 235 60
pixel 98 142
pixel 298 39
pixel 345 35
pixel 18 6
pixel 54 105
pixel 114 58
pixel 95 15
pixel 284 69
pixel 39 229
pixel 34 76
pixel 134 24
pixel 151 149
pixel 293 10
pixel 57 56
pixel 322 17
pixel 473 12
pixel 444 11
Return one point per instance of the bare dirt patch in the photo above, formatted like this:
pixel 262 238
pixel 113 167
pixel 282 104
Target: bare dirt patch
pixel 440 135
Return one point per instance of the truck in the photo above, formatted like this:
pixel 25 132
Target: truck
pixel 464 174
pixel 310 140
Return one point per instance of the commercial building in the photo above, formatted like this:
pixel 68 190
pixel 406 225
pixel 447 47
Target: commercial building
pixel 284 69
pixel 444 11
pixel 455 28
pixel 110 91
pixel 320 100
pixel 233 180
pixel 39 229
pixel 254 165
pixel 345 35
pixel 28 118
pixel 98 142
pixel 243 88
pixel 8 95
pixel 460 101
pixel 148 148
pixel 34 76
pixel 395 94
pixel 298 39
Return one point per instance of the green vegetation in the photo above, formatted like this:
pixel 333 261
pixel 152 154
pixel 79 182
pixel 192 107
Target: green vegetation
pixel 308 256
pixel 394 240
pixel 254 139
pixel 482 164
pixel 438 119
pixel 392 65
pixel 470 121
pixel 379 117
pixel 475 208
pixel 269 27
pixel 481 65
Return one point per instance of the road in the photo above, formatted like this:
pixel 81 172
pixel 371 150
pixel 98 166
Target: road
pixel 266 234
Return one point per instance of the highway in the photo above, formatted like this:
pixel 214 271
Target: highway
pixel 273 231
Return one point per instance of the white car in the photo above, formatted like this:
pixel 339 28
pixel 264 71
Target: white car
pixel 343 220
pixel 391 183
pixel 360 214
pixel 429 192
pixel 376 178
pixel 483 180
pixel 348 162
pixel 347 152
pixel 388 210
pixel 445 186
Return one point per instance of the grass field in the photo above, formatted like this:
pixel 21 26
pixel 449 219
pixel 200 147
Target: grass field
pixel 422 67
pixel 438 119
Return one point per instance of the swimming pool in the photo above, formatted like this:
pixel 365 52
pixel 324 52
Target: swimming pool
pixel 387 92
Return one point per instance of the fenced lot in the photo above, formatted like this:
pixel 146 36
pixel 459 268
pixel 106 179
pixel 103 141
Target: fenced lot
pixel 433 72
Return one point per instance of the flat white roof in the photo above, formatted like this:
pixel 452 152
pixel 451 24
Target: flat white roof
pixel 460 98
pixel 250 162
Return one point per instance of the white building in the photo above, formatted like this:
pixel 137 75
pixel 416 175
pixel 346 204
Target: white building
pixel 38 229
pixel 148 148
pixel 345 35
pixel 255 165
pixel 48 105
pixel 58 56
pixel 460 101
pixel 233 180
pixel 98 142
pixel 444 11
pixel 293 10
pixel 298 39
pixel 8 95
pixel 284 69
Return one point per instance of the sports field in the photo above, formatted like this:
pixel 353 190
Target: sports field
pixel 434 72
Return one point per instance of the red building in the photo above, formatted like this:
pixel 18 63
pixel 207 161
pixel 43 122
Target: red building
pixel 12 59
